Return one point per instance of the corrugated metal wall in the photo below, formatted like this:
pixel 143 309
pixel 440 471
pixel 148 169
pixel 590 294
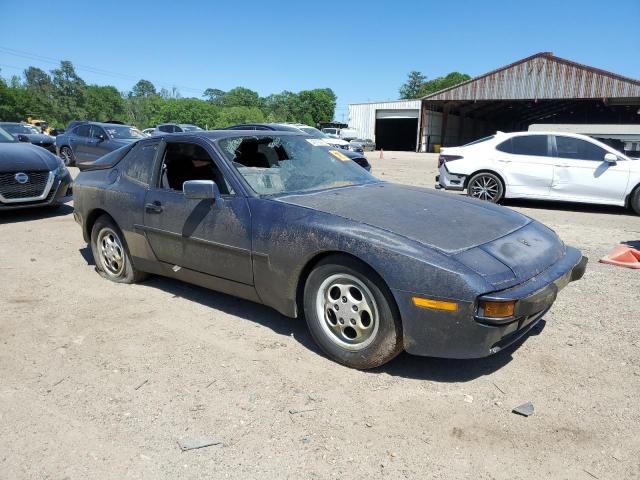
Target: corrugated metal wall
pixel 362 116
pixel 543 76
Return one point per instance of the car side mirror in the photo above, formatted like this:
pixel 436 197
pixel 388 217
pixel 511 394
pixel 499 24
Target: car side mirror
pixel 201 190
pixel 101 137
pixel 23 138
pixel 610 158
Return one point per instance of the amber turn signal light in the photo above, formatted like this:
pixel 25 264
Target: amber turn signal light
pixel 498 309
pixel 435 304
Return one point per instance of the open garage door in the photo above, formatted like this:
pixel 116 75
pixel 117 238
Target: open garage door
pixel 397 130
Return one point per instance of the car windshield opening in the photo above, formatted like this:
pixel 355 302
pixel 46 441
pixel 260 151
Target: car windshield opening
pixel 286 164
pixel 123 132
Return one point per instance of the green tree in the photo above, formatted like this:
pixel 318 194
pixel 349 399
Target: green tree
pixel 214 95
pixel 318 105
pixel 241 97
pixel 69 92
pixel 450 80
pixel 104 103
pixel 411 88
pixel 144 88
pixel 234 115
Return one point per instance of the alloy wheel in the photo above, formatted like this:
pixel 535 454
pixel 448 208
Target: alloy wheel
pixel 110 252
pixel 347 311
pixel 485 187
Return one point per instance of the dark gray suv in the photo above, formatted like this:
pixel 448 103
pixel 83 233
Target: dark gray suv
pixel 90 140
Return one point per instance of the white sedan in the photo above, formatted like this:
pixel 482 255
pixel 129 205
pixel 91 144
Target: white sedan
pixel 542 166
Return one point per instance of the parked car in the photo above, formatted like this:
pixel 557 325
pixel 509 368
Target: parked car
pixel 542 166
pixel 22 132
pixel 277 219
pixel 355 154
pixel 30 176
pixel 88 141
pixel 346 134
pixel 367 144
pixel 175 128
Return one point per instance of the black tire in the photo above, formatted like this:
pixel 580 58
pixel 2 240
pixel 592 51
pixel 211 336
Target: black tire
pixel 382 343
pixel 106 231
pixel 486 186
pixel 634 201
pixel 66 154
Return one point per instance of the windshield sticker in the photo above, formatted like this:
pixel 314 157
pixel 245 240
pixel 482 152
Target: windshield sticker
pixel 339 156
pixel 316 142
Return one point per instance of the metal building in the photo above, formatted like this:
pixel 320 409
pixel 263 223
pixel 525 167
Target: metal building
pixel 538 89
pixel 391 125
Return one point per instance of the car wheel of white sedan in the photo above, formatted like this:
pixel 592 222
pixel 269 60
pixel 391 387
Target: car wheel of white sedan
pixel 351 314
pixel 486 186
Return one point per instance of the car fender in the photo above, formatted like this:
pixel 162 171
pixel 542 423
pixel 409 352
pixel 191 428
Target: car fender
pixel 287 238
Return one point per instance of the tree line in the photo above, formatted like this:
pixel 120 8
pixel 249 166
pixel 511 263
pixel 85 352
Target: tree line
pixel 418 86
pixel 61 95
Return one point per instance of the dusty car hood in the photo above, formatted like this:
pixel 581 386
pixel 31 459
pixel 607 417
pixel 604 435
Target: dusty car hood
pixel 502 246
pixel 446 222
pixel 18 157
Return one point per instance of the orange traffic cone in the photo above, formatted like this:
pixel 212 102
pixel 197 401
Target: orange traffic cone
pixel 381 154
pixel 623 256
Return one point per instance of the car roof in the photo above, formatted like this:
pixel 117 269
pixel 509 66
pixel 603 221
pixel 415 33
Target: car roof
pixel 217 134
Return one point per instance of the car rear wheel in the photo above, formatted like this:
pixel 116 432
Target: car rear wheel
pixel 110 252
pixel 67 156
pixel 486 186
pixel 635 200
pixel 351 314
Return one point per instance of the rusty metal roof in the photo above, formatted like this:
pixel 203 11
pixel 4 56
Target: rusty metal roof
pixel 542 76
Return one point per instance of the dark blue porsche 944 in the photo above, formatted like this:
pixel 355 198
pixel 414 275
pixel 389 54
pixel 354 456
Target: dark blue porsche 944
pixel 274 217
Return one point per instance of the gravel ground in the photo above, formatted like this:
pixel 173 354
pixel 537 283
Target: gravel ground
pixel 101 380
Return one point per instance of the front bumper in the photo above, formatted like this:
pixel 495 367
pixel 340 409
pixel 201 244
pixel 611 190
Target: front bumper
pixel 59 193
pixel 465 334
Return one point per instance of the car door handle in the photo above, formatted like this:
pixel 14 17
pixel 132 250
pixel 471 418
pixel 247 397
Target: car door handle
pixel 155 207
pixel 560 164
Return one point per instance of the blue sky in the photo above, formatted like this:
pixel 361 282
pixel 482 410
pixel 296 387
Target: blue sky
pixel 363 50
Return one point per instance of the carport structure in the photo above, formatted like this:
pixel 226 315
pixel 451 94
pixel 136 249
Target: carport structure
pixel 538 89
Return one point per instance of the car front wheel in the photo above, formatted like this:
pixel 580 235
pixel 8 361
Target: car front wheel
pixel 486 186
pixel 67 156
pixel 635 200
pixel 110 252
pixel 351 314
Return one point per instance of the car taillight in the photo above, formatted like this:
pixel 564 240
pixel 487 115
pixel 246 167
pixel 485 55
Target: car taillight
pixel 442 159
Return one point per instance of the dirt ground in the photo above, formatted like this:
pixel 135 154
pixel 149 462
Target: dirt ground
pixel 100 380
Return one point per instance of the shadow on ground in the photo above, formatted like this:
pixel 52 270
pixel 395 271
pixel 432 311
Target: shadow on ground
pixel 405 365
pixel 36 213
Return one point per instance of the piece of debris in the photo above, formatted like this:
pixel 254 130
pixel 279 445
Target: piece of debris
pixel 59 382
pixel 525 409
pixel 368 425
pixel 293 411
pixel 195 443
pixel 499 389
pixel 210 383
pixel 587 471
pixel 468 398
pixel 140 385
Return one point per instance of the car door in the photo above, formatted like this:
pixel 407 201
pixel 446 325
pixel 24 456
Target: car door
pixel 582 174
pixel 526 165
pixel 98 144
pixel 211 237
pixel 79 143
